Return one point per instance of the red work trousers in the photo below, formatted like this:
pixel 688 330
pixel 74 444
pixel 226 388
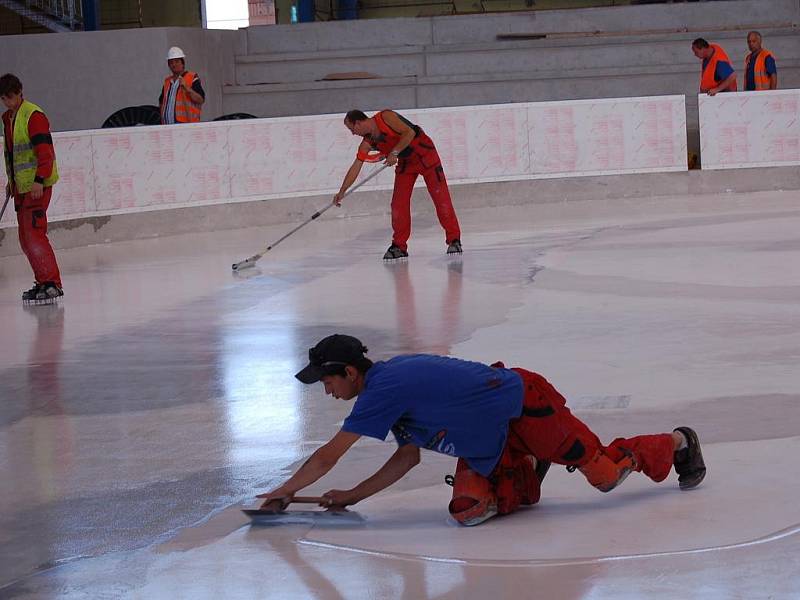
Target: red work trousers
pixel 549 431
pixel 429 165
pixel 32 222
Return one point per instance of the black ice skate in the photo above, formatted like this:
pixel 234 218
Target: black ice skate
pixel 688 462
pixel 454 247
pixel 30 295
pixel 394 252
pixel 42 293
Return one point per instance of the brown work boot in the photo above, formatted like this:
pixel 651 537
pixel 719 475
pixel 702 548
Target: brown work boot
pixel 688 462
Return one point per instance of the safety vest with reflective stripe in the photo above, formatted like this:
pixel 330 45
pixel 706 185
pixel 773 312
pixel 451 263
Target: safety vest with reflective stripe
pixel 760 75
pixel 708 74
pixel 24 167
pixel 186 111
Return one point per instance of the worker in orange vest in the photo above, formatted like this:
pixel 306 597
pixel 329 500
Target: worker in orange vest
pixel 760 72
pixel 409 149
pixel 182 94
pixel 717 74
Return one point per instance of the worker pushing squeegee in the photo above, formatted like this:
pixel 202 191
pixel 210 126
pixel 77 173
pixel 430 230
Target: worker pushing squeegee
pixel 506 426
pixel 405 146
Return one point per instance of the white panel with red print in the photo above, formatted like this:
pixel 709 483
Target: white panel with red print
pixel 134 169
pixel 750 129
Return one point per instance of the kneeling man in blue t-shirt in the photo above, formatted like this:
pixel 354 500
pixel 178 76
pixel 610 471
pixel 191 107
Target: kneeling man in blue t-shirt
pixel 506 426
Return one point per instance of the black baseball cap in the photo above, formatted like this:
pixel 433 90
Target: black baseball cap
pixel 337 351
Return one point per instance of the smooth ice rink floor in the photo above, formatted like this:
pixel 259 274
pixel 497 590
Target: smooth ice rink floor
pixel 158 396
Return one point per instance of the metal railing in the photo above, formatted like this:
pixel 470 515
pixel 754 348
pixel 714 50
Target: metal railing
pixel 55 15
pixel 67 15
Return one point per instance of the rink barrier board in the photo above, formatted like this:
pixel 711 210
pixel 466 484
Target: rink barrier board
pixel 138 169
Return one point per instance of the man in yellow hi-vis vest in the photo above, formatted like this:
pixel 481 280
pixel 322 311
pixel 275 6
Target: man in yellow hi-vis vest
pixel 31 168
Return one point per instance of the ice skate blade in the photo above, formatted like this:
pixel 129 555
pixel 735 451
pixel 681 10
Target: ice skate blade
pixel 399 259
pixel 314 517
pixel 45 302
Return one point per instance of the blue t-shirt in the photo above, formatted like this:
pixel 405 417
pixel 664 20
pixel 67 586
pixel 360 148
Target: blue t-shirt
pixel 750 75
pixel 722 71
pixel 447 405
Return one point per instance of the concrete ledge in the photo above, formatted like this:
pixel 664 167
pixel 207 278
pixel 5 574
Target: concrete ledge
pixel 259 88
pixel 339 35
pixel 331 54
pixel 312 70
pixel 606 190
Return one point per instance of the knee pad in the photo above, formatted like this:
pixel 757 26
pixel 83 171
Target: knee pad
pixel 474 500
pixel 605 474
pixel 517 481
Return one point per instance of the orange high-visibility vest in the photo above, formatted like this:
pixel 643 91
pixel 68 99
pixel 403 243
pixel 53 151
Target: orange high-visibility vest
pixel 186 111
pixel 760 75
pixel 421 144
pixel 707 77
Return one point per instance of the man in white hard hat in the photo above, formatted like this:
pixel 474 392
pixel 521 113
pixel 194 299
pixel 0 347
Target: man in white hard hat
pixel 182 94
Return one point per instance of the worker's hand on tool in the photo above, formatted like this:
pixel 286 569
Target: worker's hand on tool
pixel 338 498
pixel 391 159
pixel 712 92
pixel 337 199
pixel 37 190
pixel 276 496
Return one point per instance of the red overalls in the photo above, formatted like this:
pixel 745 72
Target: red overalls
pixel 548 431
pixel 32 214
pixel 419 158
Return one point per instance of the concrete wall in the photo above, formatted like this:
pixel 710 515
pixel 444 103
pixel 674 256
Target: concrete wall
pixel 81 78
pixel 468 29
pixel 620 19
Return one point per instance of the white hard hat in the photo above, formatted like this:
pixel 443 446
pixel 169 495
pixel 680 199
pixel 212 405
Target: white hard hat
pixel 175 52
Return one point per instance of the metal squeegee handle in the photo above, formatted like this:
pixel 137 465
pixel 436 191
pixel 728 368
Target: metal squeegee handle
pixel 249 262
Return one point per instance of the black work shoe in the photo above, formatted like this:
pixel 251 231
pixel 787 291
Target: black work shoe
pixel 394 252
pixel 31 293
pixel 454 247
pixel 688 462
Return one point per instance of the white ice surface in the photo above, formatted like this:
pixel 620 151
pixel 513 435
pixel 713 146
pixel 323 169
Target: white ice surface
pixel 158 395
